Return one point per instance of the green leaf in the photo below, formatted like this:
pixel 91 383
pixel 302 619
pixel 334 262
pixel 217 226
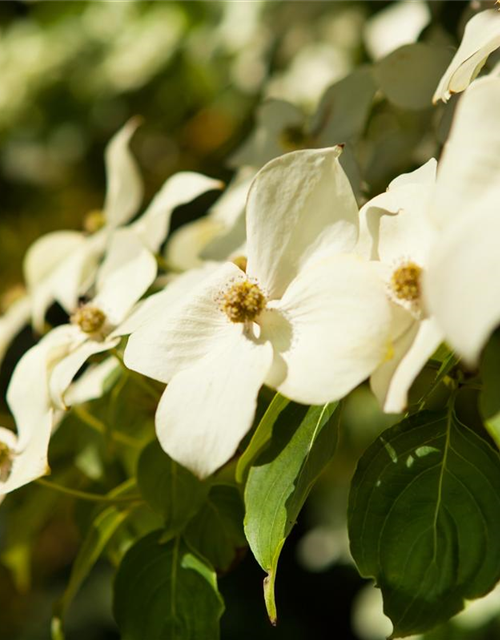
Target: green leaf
pixel 216 532
pixel 165 591
pixel 409 76
pixel 261 437
pixel 489 403
pixel 170 489
pixel 424 516
pixel 303 441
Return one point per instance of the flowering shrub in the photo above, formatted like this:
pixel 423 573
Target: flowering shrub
pixel 212 365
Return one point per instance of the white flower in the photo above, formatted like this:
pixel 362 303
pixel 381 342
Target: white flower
pixel 126 274
pixel 61 266
pixel 462 284
pixel 306 319
pixel 396 231
pixel 481 37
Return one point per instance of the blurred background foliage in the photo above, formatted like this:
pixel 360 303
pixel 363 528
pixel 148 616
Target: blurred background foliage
pixel 71 73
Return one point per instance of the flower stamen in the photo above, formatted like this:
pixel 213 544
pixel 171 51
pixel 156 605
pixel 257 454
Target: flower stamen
pixel 90 319
pixel 243 302
pixel 406 282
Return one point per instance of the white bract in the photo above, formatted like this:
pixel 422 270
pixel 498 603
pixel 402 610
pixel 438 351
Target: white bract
pixel 305 317
pixel 61 266
pixel 396 231
pixel 125 275
pixel 462 284
pixel 23 457
pixel 12 321
pixel 217 235
pixel 481 37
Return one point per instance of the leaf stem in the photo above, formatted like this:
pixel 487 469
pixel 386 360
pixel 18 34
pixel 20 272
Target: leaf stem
pixel 84 495
pixel 99 426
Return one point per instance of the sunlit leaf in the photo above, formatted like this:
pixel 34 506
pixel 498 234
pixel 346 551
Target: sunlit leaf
pixel 302 441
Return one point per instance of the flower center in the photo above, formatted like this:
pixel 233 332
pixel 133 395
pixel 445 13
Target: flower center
pixel 405 282
pixel 93 221
pixel 243 302
pixel 90 319
pixel 5 461
pixel 293 137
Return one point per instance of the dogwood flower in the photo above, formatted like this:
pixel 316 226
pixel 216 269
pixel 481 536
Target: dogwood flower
pixel 396 231
pixel 125 275
pixel 481 37
pixel 61 266
pixel 303 317
pixel 461 287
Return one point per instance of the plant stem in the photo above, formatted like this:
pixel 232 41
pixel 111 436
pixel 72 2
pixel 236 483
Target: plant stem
pixel 84 495
pixel 100 427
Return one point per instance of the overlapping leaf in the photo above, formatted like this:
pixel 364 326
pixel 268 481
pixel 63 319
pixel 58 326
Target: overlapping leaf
pixel 424 516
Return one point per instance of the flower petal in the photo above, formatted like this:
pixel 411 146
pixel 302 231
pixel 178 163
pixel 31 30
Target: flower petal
pixel 127 272
pixel 330 330
pixel 30 461
pixel 68 366
pixel 30 381
pixel 92 383
pixel 207 409
pixel 394 225
pixel 178 336
pixel 187 242
pixel 469 167
pixel 154 224
pixel 481 37
pixel 163 301
pixel 42 266
pixel 299 206
pixel 76 274
pixel 462 285
pixel 412 349
pixel 13 320
pixel 46 254
pixel 124 183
